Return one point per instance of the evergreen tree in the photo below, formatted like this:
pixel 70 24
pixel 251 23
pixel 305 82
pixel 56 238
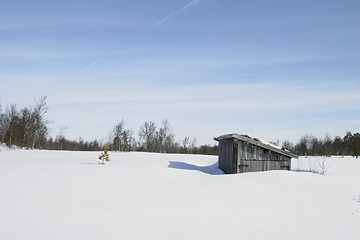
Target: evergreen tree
pixel 104 156
pixel 355 144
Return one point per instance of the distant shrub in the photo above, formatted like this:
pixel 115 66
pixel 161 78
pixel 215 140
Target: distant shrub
pixel 105 155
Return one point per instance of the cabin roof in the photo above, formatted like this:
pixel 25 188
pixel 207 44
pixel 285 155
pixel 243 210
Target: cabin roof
pixel 257 142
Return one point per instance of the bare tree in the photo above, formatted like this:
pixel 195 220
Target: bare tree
pixel 165 138
pixel 128 140
pixel 118 135
pixel 147 135
pixel 4 125
pixel 13 125
pixel 192 146
pixel 185 144
pixel 302 147
pixel 322 163
pixel 286 145
pixel 60 138
pixel 338 146
pixel 122 139
pixel 25 127
pixel 39 127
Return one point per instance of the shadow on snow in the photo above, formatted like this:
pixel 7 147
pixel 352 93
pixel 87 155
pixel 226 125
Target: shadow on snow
pixel 212 169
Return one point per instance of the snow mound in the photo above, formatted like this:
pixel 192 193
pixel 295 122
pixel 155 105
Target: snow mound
pixel 3 147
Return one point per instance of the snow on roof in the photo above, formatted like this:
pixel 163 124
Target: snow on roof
pixel 258 142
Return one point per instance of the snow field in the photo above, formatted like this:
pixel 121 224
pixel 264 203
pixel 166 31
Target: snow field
pixel 67 195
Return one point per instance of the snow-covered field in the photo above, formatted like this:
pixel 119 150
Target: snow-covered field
pixel 49 195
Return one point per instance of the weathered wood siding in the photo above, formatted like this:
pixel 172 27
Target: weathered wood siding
pixel 236 156
pixel 227 156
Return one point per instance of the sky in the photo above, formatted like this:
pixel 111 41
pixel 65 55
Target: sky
pixel 275 70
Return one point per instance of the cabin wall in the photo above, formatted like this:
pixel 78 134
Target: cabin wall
pixel 237 156
pixel 228 156
pixel 253 158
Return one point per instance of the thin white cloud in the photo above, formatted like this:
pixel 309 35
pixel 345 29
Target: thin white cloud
pixel 277 108
pixel 41 53
pixel 353 122
pixel 22 22
pixel 191 4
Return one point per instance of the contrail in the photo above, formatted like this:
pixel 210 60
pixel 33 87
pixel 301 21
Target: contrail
pixel 88 67
pixel 191 4
pixel 96 61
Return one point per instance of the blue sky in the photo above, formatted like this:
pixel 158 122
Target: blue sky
pixel 271 69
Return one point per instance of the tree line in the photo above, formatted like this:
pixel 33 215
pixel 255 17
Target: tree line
pixel 309 145
pixel 28 127
pixel 152 138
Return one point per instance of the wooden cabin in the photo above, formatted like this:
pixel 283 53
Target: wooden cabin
pixel 241 153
